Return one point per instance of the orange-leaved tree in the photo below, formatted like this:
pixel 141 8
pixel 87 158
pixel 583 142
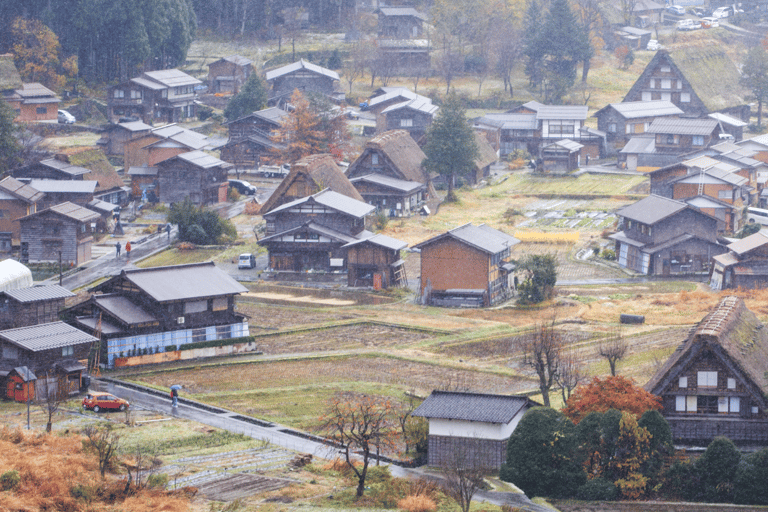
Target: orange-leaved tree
pixel 632 450
pixel 37 54
pixel 614 392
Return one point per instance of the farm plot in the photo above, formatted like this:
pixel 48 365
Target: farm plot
pixel 585 184
pixel 269 317
pixel 366 335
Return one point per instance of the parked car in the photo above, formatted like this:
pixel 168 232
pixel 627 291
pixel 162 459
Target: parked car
pixel 246 260
pixel 97 401
pixel 709 22
pixel 698 11
pixel 65 117
pixel 243 187
pixel 757 215
pixel 676 9
pixel 653 45
pixel 685 24
pixel 721 12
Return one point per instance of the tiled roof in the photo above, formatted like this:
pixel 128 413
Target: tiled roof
pixel 38 293
pixel 49 336
pixel 478 407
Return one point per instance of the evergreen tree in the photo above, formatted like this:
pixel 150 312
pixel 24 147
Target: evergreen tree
pixel 564 44
pixel 754 76
pixel 450 149
pixel 9 144
pixel 252 97
pixel 533 48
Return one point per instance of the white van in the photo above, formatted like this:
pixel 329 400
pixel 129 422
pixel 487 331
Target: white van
pixel 246 260
pixel 757 215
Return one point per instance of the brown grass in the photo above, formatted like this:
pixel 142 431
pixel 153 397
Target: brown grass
pixel 417 504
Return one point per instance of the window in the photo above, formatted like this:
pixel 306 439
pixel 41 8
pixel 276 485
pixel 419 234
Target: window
pixel 406 122
pixel 612 128
pixel 375 159
pixel 731 383
pixel 646 96
pixel 119 93
pixel 735 404
pixel 707 379
pixel 690 403
pixel 725 194
pixel 666 96
pixel 300 236
pixel 666 83
pixel 42 110
pixel 697 140
pixel 653 83
pixel 665 69
pixel 67 351
pixel 136 95
pixel 685 97
pixel 707 404
pixel 680 403
pixel 682 382
pixel 679 84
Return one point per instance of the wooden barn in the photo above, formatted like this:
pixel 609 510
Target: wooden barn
pixel 469 266
pixel 561 157
pixel 229 74
pixel 744 266
pixel 716 382
pixel 17 199
pixel 376 262
pixel 60 233
pixel 195 175
pixel 32 306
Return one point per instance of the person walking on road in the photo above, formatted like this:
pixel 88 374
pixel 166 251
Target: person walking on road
pixel 117 250
pixel 175 395
pixel 128 249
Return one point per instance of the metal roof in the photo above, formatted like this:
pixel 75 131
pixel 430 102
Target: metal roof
pixel 21 190
pixel 66 186
pixel 510 121
pixel 651 209
pixel 301 64
pixel 575 112
pixel 123 309
pixel 272 114
pixel 479 407
pixel 106 327
pixel 102 206
pixel 635 109
pixel 317 228
pixel 749 243
pixel 149 84
pixel 37 293
pixel 135 126
pixel 482 237
pixel 74 212
pixel 388 181
pixel 398 92
pixel 49 336
pixel 236 59
pixel 65 167
pixel 34 89
pixel 401 11
pixel 566 144
pixel 188 138
pixel 203 160
pixel 142 170
pixel 182 282
pixel 726 119
pixel 420 103
pixel 683 126
pixel 381 240
pixel 640 145
pixel 333 200
pixel 172 77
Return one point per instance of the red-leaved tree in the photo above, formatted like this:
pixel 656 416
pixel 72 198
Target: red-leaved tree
pixel 614 392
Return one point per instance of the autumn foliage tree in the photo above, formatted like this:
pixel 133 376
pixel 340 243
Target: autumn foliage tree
pixel 614 392
pixel 37 54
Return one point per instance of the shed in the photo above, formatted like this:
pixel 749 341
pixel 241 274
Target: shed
pixel 32 306
pixel 20 381
pixel 475 425
pixel 561 157
pixel 376 262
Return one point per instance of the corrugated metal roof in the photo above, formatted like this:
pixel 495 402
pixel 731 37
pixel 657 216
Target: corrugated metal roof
pixel 180 282
pixel 381 240
pixel 38 293
pixel 172 77
pixel 635 109
pixel 639 145
pixel 479 407
pixel 683 126
pixel 729 120
pixel 65 167
pixel 135 126
pixel 332 200
pixel 123 309
pixel 189 138
pixel 387 181
pixel 142 170
pixel 66 186
pixel 482 237
pixel 301 64
pixel 575 112
pixel 149 84
pixel 566 144
pixel 49 336
pixel 21 190
pixel 398 92
pixel 420 103
pixel 102 207
pixel 74 212
pixel 651 209
pixel 510 121
pixel 105 326
pixel 203 160
pixel 749 243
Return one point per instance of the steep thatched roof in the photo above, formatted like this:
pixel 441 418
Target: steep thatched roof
pixel 9 75
pixel 100 169
pixel 314 173
pixel 401 150
pixel 486 155
pixel 735 335
pixel 712 74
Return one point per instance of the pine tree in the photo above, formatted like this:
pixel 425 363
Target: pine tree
pixel 451 149
pixel 755 77
pixel 252 97
pixel 9 144
pixel 534 56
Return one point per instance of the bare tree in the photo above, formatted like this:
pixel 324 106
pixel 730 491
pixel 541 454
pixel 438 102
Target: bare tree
pixel 464 471
pixel 103 442
pixel 403 411
pixel 362 424
pixel 50 393
pixel 614 349
pixel 542 351
pixel 570 373
pixel 355 66
pixel 627 8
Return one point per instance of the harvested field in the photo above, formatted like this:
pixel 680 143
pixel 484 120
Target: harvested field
pixel 503 348
pixel 340 338
pixel 269 317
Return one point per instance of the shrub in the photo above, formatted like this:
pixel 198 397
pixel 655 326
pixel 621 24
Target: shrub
pixel 82 492
pixel 157 481
pixel 598 489
pixel 751 478
pixel 681 481
pixel 608 254
pixel 381 220
pixel 717 468
pixel 233 195
pixel 10 480
pixel 417 504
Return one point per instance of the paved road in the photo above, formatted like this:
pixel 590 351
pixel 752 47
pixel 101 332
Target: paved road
pixel 274 433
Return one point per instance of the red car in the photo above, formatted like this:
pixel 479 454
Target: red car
pixel 98 401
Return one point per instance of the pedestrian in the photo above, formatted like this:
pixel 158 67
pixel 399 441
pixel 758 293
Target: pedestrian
pixel 168 230
pixel 117 250
pixel 174 397
pixel 128 250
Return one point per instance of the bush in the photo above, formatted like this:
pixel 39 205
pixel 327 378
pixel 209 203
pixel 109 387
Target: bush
pixel 417 504
pixel 608 254
pixel 681 481
pixel 380 221
pixel 82 492
pixel 157 481
pixel 9 480
pixel 598 489
pixel 717 468
pixel 204 112
pixel 751 478
pixel 233 195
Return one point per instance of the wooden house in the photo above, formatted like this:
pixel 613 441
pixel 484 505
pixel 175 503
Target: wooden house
pixel 384 97
pixel 34 102
pixel 32 306
pixel 63 232
pixel 405 57
pixel 229 74
pixel 55 350
pixel 164 96
pixel 731 125
pixel 561 157
pixel 715 383
pixel 106 213
pixel 476 426
pixel 310 233
pixel 414 116
pixel 745 265
pixel 161 144
pixel 308 176
pixel 160 308
pixel 17 200
pixel 486 157
pixel 375 261
pixel 250 143
pixel 633 38
pixel 661 236
pixel 467 266
pixel 56 168
pixel 118 135
pixel 400 23
pixel 510 132
pixel 10 80
pixel 144 182
pixel 55 192
pixel 303 76
pixel 622 121
pixel 676 137
pixel 196 175
pixel 685 77
pixel 646 13
pixel 19 384
pixel 388 174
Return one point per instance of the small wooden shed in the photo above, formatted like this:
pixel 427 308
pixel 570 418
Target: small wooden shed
pixel 561 157
pixel 376 262
pixel 19 382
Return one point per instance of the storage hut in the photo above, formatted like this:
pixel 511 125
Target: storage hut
pixel 376 262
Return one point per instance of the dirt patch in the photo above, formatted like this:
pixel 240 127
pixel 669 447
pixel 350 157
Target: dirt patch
pixel 300 299
pixel 240 485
